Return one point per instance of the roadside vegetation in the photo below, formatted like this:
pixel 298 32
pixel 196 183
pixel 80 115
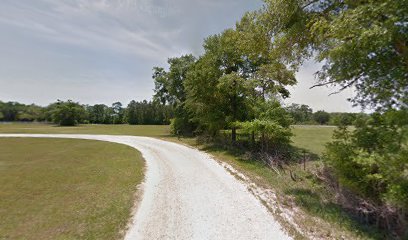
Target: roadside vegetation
pixel 230 100
pixel 230 97
pixel 66 189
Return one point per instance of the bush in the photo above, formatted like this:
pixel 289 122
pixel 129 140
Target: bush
pixel 271 128
pixel 372 161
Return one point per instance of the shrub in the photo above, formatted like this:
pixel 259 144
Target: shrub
pixel 372 161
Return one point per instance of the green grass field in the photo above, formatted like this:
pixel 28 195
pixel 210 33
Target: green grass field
pixel 66 189
pixel 138 130
pixel 310 137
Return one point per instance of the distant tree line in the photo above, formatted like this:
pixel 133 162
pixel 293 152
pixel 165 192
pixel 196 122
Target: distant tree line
pixel 303 114
pixel 69 113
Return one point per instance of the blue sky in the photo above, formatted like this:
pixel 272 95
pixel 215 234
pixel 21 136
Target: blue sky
pixel 103 51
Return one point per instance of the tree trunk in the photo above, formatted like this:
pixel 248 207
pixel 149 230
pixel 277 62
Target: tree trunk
pixel 234 135
pixel 234 113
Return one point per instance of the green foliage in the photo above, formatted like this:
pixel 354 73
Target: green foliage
pixel 169 86
pixel 170 89
pixel 321 117
pixel 68 113
pixel 362 44
pixel 141 113
pixel 118 113
pixel 372 160
pixel 202 97
pixel 300 113
pixel 14 111
pixel 272 125
pixel 233 76
pixel 365 45
pixel 346 119
pixel 148 113
pixel 100 113
pixel 10 110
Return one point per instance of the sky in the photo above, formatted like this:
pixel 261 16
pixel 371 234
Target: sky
pixel 103 51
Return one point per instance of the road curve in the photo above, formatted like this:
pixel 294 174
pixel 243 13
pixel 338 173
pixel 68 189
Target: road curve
pixel 188 195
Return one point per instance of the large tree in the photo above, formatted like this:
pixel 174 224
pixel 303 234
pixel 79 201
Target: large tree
pixel 169 89
pixel 362 44
pixel 236 71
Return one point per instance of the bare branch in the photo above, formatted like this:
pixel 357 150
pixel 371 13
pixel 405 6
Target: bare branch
pixel 322 84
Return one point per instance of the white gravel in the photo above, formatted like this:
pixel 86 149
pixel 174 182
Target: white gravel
pixel 188 195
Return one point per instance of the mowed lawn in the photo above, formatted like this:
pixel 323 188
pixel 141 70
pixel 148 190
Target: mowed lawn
pixel 123 129
pixel 310 137
pixel 66 189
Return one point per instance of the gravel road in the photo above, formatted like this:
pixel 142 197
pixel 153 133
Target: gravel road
pixel 188 195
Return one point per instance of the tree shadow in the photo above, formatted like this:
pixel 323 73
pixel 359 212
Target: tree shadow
pixel 312 203
pixel 300 153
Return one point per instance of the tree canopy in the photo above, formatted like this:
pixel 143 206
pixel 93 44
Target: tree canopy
pixel 362 44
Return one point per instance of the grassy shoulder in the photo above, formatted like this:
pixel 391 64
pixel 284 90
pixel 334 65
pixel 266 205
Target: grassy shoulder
pixel 66 189
pixel 316 212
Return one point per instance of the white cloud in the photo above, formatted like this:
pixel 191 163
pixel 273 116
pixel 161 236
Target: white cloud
pixel 104 50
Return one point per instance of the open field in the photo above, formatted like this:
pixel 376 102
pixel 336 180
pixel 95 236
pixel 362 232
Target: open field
pixel 133 130
pixel 310 137
pixel 66 189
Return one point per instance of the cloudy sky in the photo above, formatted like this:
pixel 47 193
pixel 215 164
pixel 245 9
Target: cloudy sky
pixel 102 51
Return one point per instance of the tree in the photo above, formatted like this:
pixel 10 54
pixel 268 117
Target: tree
pixel 14 111
pixel 169 89
pixel 233 91
pixel 300 113
pixel 10 110
pixel 362 44
pixel 344 119
pixel 272 126
pixel 227 81
pixel 131 113
pixel 99 113
pixel 67 113
pixel 321 117
pixel 118 113
pixel 148 113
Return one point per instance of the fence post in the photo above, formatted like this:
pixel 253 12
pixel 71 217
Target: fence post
pixel 304 160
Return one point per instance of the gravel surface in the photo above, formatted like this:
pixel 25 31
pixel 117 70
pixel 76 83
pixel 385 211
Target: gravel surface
pixel 188 195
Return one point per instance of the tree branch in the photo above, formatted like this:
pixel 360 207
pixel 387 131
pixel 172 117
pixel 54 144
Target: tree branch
pixel 322 84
